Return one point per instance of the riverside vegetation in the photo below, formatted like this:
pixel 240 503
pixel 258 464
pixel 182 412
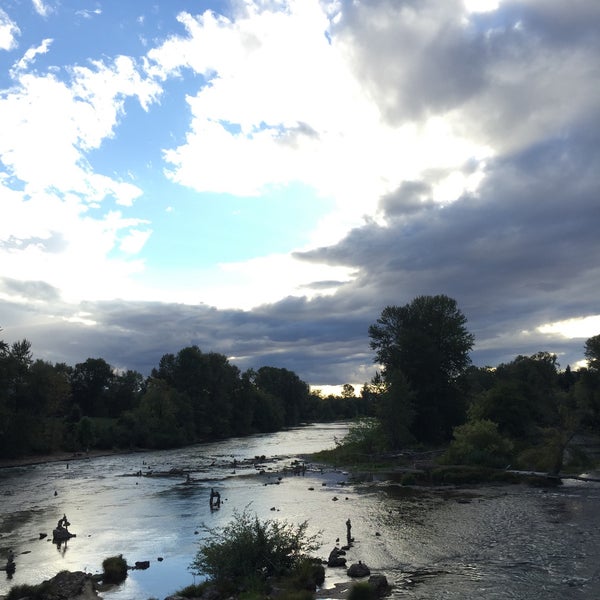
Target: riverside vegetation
pixel 527 412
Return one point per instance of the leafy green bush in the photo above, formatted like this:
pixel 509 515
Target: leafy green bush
pixel 364 439
pixel 114 569
pixel 362 591
pixel 308 575
pixel 478 443
pixel 247 551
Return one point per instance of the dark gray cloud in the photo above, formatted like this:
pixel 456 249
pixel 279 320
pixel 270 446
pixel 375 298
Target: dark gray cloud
pixel 507 77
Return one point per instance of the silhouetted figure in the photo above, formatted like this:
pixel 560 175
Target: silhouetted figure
pixel 215 499
pixel 348 531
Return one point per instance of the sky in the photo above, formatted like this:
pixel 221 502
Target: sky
pixel 261 178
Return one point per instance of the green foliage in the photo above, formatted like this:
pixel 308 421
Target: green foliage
pixel 396 411
pixel 114 569
pixel 363 440
pixel 478 443
pixel 288 388
pixel 192 591
pixel 425 345
pixel 364 436
pixel 308 575
pixel 247 551
pixel 362 590
pixel 592 352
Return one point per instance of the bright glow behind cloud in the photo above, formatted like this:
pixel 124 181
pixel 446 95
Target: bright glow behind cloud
pixel 583 327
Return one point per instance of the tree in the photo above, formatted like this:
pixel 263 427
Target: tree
pixel 288 388
pixel 90 383
pixel 592 352
pixel 427 341
pixel 348 391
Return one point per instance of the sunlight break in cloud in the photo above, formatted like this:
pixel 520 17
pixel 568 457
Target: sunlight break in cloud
pixel 580 327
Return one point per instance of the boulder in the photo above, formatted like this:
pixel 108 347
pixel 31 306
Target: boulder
pixel 336 559
pixel 142 564
pixel 68 585
pixel 380 584
pixel 358 569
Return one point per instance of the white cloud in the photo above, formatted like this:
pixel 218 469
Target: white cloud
pixel 30 56
pixel 48 229
pixel 579 327
pixel 41 8
pixel 284 104
pixel 481 5
pixel 8 32
pixel 134 241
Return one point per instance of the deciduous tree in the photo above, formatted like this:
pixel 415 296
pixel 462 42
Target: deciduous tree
pixel 428 342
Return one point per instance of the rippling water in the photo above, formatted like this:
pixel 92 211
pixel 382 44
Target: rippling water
pixel 488 542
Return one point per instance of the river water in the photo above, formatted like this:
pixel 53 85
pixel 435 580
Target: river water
pixel 512 542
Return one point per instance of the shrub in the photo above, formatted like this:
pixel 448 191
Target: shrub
pixel 308 575
pixel 247 551
pixel 114 569
pixel 362 591
pixel 478 443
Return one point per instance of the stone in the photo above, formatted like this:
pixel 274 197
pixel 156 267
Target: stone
pixel 68 585
pixel 335 559
pixel 358 569
pixel 380 584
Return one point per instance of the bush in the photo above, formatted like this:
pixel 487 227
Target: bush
pixel 308 575
pixel 247 551
pixel 362 591
pixel 114 569
pixel 478 443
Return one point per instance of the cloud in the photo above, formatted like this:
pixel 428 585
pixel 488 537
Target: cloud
pixel 29 57
pixel 9 32
pixel 41 8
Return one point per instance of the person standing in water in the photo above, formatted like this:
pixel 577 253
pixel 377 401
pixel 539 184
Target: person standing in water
pixel 348 531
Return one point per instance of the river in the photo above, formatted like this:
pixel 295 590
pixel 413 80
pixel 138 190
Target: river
pixel 513 542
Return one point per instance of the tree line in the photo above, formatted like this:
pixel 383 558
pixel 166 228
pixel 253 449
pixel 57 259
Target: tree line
pixel 527 413
pixel 191 396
